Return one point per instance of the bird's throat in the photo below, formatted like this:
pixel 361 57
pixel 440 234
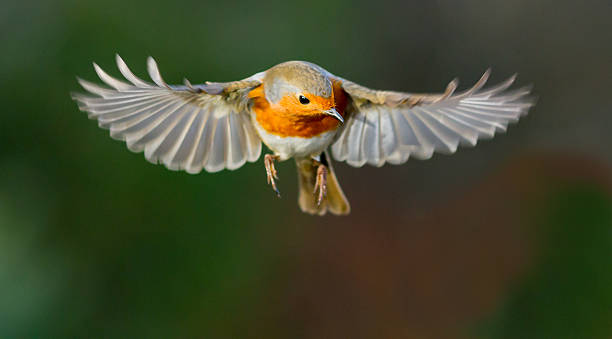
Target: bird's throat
pixel 277 120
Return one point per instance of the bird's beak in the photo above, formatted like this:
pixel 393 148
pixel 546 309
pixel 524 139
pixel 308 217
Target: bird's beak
pixel 334 114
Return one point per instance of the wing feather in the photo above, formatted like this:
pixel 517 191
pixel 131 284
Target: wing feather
pixel 387 135
pixel 251 139
pixel 445 139
pixel 202 147
pixel 355 142
pixel 185 148
pixel 424 139
pixel 109 80
pixel 127 73
pixel 188 127
pixel 217 156
pixel 172 143
pixel 239 148
pixel 371 139
pixel 386 126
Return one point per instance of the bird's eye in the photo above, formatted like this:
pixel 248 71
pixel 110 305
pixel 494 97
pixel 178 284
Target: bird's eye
pixel 304 100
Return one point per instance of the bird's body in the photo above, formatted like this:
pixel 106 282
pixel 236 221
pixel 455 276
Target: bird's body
pixel 286 128
pixel 298 110
pixel 287 147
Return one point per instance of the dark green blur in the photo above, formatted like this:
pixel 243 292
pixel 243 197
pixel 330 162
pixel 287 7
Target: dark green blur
pixel 511 239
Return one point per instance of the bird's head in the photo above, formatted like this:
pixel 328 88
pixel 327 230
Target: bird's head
pixel 301 88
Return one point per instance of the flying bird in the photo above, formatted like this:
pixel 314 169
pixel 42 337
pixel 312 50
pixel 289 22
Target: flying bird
pixel 298 110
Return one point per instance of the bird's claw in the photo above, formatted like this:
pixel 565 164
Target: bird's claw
pixel 321 184
pixel 271 171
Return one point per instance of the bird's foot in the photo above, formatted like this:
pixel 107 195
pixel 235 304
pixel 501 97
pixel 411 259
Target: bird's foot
pixel 271 171
pixel 321 183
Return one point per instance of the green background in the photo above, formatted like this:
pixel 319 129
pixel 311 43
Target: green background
pixel 511 239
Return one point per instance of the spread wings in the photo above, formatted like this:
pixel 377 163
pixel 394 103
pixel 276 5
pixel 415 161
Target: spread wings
pixel 184 127
pixel 385 126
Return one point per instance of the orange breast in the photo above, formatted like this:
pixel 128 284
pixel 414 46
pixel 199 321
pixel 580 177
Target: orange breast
pixel 287 123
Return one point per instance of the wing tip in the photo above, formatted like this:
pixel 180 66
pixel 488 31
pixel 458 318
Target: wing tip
pixel 80 81
pixel 487 72
pixel 154 72
pixel 119 61
pixel 483 80
pixel 97 68
pixel 152 66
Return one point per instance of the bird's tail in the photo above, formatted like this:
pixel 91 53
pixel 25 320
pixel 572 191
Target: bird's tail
pixel 335 201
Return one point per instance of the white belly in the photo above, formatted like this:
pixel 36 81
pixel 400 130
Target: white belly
pixel 289 147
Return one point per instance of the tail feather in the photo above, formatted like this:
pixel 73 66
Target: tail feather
pixel 335 202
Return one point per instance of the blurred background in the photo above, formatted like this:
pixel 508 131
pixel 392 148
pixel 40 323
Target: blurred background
pixel 511 239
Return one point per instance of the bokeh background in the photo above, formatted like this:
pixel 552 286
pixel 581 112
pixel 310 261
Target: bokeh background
pixel 511 239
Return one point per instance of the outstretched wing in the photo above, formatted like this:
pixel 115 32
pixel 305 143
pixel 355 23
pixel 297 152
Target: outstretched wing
pixel 184 127
pixel 386 126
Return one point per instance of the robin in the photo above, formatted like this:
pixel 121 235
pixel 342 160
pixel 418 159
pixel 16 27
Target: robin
pixel 298 110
